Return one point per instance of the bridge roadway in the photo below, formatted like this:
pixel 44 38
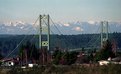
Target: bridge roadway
pixel 82 49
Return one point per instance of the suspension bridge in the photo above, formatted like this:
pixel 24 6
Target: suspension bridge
pixel 44 31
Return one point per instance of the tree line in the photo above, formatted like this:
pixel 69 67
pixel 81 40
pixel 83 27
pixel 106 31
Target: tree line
pixel 9 42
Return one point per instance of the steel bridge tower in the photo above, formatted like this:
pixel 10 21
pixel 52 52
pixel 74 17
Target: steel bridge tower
pixel 44 35
pixel 44 38
pixel 104 32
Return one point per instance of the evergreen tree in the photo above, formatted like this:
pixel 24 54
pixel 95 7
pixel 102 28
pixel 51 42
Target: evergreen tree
pixel 30 50
pixel 105 52
pixel 57 56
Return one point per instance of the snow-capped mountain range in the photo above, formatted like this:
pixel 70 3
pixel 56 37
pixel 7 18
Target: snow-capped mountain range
pixel 64 28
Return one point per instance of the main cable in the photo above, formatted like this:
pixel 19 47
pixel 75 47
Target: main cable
pixel 20 42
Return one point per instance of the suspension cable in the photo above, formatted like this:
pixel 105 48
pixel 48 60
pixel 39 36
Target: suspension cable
pixel 59 31
pixel 20 41
pixel 92 37
pixel 55 26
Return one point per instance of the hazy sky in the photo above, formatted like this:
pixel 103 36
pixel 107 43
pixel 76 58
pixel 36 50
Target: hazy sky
pixel 60 10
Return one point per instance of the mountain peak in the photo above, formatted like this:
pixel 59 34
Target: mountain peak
pixel 20 27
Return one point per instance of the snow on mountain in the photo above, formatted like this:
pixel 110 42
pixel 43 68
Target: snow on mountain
pixel 17 28
pixel 66 28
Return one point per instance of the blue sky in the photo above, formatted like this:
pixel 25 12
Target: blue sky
pixel 60 10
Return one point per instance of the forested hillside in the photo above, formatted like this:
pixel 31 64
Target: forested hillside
pixel 9 42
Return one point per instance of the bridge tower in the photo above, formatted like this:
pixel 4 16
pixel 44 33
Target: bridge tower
pixel 44 35
pixel 104 32
pixel 44 38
